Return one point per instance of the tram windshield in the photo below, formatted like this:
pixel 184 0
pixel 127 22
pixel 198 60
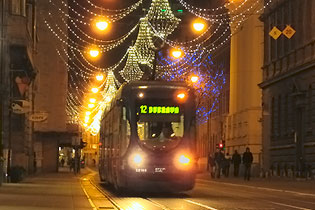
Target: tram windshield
pixel 162 135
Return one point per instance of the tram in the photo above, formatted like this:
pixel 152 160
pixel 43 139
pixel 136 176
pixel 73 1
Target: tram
pixel 147 137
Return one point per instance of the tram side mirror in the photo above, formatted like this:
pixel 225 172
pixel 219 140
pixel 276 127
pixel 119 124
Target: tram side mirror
pixel 119 102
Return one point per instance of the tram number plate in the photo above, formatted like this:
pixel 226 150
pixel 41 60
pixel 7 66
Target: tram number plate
pixel 159 170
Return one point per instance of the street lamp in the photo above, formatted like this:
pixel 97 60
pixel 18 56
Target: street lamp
pixel 176 53
pixel 91 106
pixel 194 78
pixel 94 52
pixel 94 90
pixel 102 25
pixel 92 100
pixel 99 77
pixel 198 25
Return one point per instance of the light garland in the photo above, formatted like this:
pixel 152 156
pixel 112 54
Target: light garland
pixel 113 17
pixel 131 71
pixel 160 22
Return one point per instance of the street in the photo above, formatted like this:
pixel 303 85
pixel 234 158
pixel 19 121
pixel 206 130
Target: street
pixel 213 194
pixel 66 191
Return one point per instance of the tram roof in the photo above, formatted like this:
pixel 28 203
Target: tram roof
pixel 139 84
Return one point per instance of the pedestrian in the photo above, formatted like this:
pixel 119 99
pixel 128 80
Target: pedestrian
pixel 236 160
pixel 218 159
pixel 62 162
pixel 247 161
pixel 71 164
pixel 226 165
pixel 210 165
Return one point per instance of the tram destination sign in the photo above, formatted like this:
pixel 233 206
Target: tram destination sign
pixel 159 110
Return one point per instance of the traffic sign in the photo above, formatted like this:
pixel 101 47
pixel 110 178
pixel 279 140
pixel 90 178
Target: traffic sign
pixel 288 32
pixel 275 33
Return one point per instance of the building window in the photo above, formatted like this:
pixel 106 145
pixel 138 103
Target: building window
pixel 309 108
pixel 18 7
pixel 279 116
pixel 273 117
pixel 285 115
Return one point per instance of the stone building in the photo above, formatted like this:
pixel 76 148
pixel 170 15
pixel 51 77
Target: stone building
pixel 18 39
pixel 242 127
pixel 289 87
pixel 211 132
pixel 33 88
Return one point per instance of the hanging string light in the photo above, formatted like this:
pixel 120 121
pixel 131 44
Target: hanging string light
pixel 225 21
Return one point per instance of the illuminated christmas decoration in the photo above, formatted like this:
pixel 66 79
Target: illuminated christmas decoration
pixel 220 23
pixel 208 84
pixel 160 12
pixel 131 71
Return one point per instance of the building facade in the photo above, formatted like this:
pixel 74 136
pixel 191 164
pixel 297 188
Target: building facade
pixel 243 127
pixel 289 88
pixel 17 75
pixel 211 132
pixel 33 88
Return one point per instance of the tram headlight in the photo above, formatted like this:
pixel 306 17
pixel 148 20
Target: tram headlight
pixel 136 160
pixel 183 161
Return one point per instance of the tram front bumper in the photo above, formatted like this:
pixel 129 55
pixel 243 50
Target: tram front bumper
pixel 149 181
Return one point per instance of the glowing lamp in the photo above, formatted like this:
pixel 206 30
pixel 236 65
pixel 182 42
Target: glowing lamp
pixel 181 95
pixel 177 53
pixel 94 53
pixel 92 100
pixel 101 25
pixel 198 26
pixel 194 79
pixel 94 90
pixel 91 106
pixel 87 113
pixel 137 159
pixel 99 77
pixel 183 159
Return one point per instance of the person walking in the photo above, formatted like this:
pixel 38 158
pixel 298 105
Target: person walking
pixel 226 165
pixel 236 160
pixel 62 162
pixel 210 165
pixel 218 160
pixel 247 161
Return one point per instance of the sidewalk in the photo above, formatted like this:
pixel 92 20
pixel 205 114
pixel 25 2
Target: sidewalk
pixel 306 187
pixel 45 192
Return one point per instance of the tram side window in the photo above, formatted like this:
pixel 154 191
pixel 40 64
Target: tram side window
pixel 125 131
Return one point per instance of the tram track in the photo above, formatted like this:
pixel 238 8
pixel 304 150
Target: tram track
pixel 112 200
pixel 220 196
pixel 131 203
